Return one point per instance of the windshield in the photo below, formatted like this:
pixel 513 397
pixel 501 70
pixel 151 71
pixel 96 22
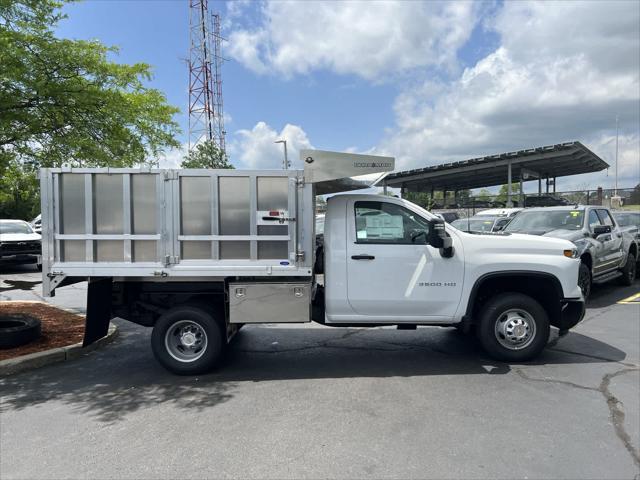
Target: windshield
pixel 626 219
pixel 15 227
pixel 474 224
pixel 546 221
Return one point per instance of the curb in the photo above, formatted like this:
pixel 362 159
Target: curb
pixel 61 354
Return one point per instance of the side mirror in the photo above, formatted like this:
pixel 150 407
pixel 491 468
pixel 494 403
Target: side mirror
pixel 601 230
pixel 438 238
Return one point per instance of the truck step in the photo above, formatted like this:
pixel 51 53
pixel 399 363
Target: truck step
pixel 606 277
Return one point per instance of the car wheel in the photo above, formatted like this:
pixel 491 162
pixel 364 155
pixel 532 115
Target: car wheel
pixel 18 329
pixel 513 327
pixel 187 340
pixel 629 270
pixel 584 280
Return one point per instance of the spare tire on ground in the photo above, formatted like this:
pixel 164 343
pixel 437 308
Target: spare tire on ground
pixel 18 329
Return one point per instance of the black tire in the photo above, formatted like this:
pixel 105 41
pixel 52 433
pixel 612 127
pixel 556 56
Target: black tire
pixel 18 329
pixel 172 326
pixel 525 309
pixel 628 271
pixel 585 280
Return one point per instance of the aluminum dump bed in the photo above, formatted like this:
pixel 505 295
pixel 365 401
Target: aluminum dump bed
pixel 189 224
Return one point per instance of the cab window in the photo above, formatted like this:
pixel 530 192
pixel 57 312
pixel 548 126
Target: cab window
pixel 605 217
pixel 388 223
pixel 594 221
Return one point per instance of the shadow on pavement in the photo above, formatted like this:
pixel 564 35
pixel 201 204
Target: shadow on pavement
pixel 17 268
pixel 123 378
pixel 18 285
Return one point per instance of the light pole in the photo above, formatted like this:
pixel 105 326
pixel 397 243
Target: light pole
pixel 616 184
pixel 285 164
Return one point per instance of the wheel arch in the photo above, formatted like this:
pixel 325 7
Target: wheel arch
pixel 543 287
pixel 587 259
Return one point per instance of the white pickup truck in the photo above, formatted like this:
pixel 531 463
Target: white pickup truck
pixel 196 254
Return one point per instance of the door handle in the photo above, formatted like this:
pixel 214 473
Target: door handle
pixel 362 257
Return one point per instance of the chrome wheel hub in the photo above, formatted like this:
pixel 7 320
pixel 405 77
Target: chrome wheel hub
pixel 515 329
pixel 186 341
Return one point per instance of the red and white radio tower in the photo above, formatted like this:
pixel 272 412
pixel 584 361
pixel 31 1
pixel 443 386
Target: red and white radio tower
pixel 206 117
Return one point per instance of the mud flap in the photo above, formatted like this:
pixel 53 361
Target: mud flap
pixel 570 316
pixel 98 310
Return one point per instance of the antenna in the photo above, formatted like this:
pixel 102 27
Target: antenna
pixel 206 117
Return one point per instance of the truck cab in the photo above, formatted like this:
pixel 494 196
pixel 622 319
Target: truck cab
pixel 383 263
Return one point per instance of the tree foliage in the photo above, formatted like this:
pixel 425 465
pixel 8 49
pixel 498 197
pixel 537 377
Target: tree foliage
pixel 63 102
pixel 206 155
pixel 504 189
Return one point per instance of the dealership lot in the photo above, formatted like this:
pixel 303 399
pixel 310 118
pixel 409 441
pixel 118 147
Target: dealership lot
pixel 311 401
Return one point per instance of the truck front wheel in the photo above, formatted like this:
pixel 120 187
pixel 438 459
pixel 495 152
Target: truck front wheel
pixel 513 327
pixel 187 340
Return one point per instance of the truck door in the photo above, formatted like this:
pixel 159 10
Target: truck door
pixel 613 244
pixel 392 275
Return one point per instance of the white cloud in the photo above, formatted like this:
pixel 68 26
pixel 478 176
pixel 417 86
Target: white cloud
pixel 375 40
pixel 173 158
pixel 549 82
pixel 562 72
pixel 256 148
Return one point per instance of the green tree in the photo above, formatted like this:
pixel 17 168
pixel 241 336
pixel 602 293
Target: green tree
pixel 502 193
pixel 63 102
pixel 421 198
pixel 19 191
pixel 484 195
pixel 206 155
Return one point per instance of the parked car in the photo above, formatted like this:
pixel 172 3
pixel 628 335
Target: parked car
pixel 19 243
pixel 630 223
pixel 36 224
pixel 544 201
pixel 448 217
pixel 320 224
pixel 481 223
pixel 500 212
pixel 605 250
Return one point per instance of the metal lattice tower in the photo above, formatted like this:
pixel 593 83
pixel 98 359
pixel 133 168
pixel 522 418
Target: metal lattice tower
pixel 206 117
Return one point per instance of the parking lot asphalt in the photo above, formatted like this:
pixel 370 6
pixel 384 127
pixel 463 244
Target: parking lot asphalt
pixel 311 401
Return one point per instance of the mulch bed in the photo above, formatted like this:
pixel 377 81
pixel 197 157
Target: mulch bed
pixel 59 327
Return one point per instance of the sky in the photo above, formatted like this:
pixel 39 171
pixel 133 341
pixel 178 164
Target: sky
pixel 424 82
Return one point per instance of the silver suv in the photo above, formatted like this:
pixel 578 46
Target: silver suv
pixel 606 251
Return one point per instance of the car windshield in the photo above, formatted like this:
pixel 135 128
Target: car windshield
pixel 627 218
pixel 546 221
pixel 484 224
pixel 15 227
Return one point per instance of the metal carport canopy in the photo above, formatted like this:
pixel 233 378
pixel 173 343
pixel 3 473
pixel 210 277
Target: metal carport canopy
pixel 551 161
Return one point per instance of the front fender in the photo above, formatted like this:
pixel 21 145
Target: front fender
pixel 584 246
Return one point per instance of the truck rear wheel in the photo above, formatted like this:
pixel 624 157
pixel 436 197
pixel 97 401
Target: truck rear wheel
pixel 628 271
pixel 187 340
pixel 513 327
